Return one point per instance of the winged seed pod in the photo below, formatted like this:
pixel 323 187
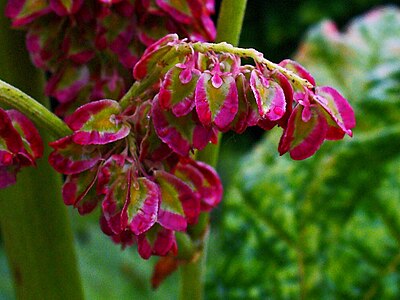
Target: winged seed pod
pixel 134 157
pixel 205 90
pixel 115 158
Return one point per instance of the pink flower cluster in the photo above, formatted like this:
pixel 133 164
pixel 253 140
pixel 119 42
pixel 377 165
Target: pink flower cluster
pixel 135 156
pixel 20 145
pixel 88 47
pixel 146 191
pixel 206 92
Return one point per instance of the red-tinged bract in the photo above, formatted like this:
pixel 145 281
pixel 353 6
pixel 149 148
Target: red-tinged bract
pixel 115 159
pixel 206 92
pixel 20 145
pixel 135 158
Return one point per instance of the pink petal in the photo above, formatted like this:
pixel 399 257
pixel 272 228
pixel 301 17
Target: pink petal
pixel 70 158
pixel 179 10
pixel 269 96
pixel 337 107
pixel 142 205
pixel 178 202
pixel 180 134
pixel 170 133
pixel 298 69
pixel 9 137
pixel 157 241
pixel 78 191
pixel 25 11
pixel 289 95
pixel 239 123
pixel 28 131
pixel 303 139
pixel 203 179
pixel 67 84
pixel 152 55
pixel 216 105
pixel 176 95
pixel 97 123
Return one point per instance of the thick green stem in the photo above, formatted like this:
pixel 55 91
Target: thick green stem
pixel 38 238
pixel 34 222
pixel 35 111
pixel 230 21
pixel 192 274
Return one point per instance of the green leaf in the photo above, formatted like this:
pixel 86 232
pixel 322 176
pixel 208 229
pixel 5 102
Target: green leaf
pixel 326 227
pixel 108 272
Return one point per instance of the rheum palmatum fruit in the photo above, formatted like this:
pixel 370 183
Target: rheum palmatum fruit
pixel 136 157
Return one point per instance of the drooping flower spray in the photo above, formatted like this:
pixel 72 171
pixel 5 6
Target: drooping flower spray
pixel 138 153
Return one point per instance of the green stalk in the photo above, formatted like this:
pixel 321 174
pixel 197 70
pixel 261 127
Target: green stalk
pixel 34 222
pixel 139 87
pixel 35 111
pixel 192 274
pixel 230 21
pixel 258 57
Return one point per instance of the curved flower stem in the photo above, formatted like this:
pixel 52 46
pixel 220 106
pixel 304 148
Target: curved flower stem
pixel 258 57
pixel 229 37
pixel 35 111
pixel 139 87
pixel 34 221
pixel 224 47
pixel 192 274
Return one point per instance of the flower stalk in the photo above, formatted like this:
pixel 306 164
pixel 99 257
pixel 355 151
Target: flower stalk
pixel 258 57
pixel 33 219
pixel 38 113
pixel 223 47
pixel 229 26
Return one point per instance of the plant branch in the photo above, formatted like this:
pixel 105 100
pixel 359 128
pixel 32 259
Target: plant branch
pixel 139 87
pixel 258 57
pixel 35 111
pixel 186 48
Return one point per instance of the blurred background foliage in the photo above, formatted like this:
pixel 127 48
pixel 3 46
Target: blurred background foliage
pixel 324 228
pixel 327 227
